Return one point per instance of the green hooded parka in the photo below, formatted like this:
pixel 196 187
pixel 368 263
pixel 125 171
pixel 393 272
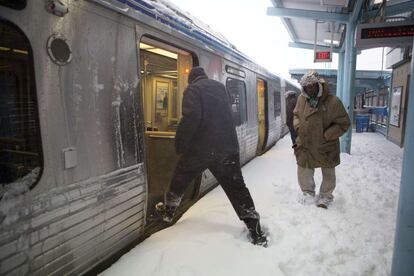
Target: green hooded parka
pixel 318 130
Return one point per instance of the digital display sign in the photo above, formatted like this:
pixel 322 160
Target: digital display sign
pixel 323 56
pixel 385 34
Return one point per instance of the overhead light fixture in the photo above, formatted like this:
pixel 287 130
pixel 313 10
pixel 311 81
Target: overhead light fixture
pixel 145 46
pixel 158 51
pixel 18 51
pixel 329 41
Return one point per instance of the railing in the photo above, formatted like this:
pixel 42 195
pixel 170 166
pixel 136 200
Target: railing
pixel 378 118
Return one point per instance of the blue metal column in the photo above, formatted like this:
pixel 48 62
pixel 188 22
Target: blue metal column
pixel 349 82
pixel 403 259
pixel 340 74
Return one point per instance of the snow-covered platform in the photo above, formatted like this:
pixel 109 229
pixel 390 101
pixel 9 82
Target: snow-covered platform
pixel 353 237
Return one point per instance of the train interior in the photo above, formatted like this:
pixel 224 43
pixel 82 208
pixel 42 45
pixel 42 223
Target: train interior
pixel 20 147
pixel 261 114
pixel 164 74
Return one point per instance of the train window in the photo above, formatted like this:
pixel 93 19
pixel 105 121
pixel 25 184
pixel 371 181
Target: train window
pixel 164 74
pixel 237 91
pixel 20 144
pixel 276 101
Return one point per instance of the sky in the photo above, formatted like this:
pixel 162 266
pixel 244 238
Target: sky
pixel 264 38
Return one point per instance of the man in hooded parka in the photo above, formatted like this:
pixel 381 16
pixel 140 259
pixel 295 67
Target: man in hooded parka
pixel 319 120
pixel 206 139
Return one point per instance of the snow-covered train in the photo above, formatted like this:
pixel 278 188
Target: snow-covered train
pixel 90 97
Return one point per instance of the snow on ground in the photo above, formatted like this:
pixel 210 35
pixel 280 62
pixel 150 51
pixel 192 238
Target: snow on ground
pixel 353 237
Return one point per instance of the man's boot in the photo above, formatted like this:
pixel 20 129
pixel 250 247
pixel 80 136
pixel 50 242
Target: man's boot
pixel 256 235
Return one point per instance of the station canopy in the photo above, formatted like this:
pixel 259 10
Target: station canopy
pixel 331 16
pixel 364 79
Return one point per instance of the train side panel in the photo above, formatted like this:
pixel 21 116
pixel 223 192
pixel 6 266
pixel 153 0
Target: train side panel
pixel 86 208
pixel 76 217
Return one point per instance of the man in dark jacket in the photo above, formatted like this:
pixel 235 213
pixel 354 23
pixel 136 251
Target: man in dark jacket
pixel 291 99
pixel 206 139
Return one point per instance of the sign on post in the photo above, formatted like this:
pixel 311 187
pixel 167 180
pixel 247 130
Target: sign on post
pixel 385 34
pixel 323 56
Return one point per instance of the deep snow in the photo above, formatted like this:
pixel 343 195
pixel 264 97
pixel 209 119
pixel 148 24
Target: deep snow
pixel 353 237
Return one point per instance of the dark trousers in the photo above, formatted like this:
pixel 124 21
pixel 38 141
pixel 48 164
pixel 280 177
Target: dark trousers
pixel 293 135
pixel 227 171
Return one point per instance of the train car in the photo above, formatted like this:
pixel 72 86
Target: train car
pixel 90 100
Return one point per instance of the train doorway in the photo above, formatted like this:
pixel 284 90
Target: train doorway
pixel 262 115
pixel 164 74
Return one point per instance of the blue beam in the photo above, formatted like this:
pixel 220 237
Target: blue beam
pixel 286 21
pixel 348 80
pixel 356 11
pixel 395 9
pixel 402 261
pixel 289 27
pixel 340 75
pixel 348 83
pixel 399 8
pixel 308 14
pixel 309 46
pixel 361 75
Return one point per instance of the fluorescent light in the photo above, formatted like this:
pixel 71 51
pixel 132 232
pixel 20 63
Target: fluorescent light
pixel 329 41
pixel 145 46
pixel 158 51
pixel 20 51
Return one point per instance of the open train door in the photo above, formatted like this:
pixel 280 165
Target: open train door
pixel 164 74
pixel 262 115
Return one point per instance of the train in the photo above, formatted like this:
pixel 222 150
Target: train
pixel 90 99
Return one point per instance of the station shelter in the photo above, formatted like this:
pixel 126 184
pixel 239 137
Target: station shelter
pixel 345 27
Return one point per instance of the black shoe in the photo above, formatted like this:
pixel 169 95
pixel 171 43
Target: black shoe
pixel 323 202
pixel 166 212
pixel 259 240
pixel 256 235
pixel 321 205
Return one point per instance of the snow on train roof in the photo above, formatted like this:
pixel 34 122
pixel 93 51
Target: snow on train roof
pixel 166 7
pixel 171 15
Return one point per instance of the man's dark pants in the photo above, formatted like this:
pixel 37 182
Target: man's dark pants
pixel 293 134
pixel 226 169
